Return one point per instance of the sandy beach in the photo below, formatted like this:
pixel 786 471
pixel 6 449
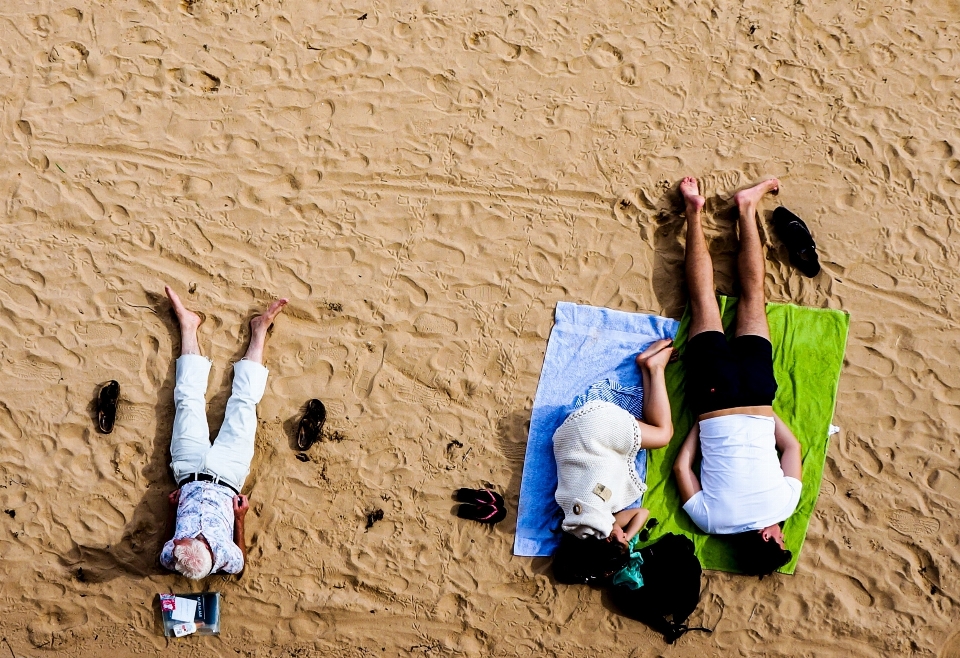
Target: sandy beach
pixel 425 181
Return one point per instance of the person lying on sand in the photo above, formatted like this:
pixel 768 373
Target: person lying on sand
pixel 209 509
pixel 744 490
pixel 596 447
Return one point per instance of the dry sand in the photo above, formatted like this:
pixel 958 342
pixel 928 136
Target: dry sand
pixel 425 180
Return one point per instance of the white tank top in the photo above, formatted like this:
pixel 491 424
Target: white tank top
pixel 596 449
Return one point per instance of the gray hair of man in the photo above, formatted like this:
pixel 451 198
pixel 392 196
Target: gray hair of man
pixel 193 559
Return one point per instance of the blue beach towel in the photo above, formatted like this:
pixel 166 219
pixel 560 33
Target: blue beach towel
pixel 590 355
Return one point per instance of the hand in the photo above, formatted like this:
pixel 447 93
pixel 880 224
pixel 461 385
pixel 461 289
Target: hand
pixel 657 355
pixel 617 536
pixel 240 506
pixel 174 498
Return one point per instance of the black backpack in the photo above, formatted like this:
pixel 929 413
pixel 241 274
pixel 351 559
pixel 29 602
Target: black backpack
pixel 671 588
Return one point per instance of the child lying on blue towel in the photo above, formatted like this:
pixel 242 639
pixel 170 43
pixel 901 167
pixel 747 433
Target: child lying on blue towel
pixel 596 449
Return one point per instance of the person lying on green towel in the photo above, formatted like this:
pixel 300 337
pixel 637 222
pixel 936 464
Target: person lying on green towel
pixel 744 489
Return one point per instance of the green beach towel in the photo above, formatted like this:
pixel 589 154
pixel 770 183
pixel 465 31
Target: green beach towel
pixel 808 348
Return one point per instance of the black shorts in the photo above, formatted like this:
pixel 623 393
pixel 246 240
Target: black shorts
pixel 723 376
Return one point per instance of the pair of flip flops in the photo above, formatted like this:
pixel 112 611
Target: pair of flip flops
pixel 480 505
pixel 311 424
pixel 795 235
pixel 107 401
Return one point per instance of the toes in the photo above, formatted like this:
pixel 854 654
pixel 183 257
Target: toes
pixel 276 307
pixel 271 313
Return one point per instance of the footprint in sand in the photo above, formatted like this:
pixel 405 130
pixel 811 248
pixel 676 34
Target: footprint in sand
pixel 135 413
pixel 601 52
pixel 35 371
pixel 494 45
pixel 417 393
pixel 484 293
pixel 609 285
pixel 98 332
pixel 370 366
pixel 100 518
pixel 627 211
pixel 945 482
pixel 428 323
pixel 722 182
pixel 851 589
pixel 911 524
pixel 541 268
pixel 50 626
pixel 87 109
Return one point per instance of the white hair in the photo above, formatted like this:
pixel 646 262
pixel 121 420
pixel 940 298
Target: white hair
pixel 193 559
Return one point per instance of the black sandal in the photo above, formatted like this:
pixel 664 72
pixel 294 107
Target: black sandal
pixel 311 425
pixel 487 514
pixel 479 497
pixel 799 242
pixel 107 406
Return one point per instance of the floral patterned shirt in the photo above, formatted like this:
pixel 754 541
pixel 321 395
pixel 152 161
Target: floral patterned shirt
pixel 207 508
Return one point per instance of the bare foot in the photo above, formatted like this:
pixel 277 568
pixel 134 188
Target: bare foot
pixel 752 195
pixel 691 194
pixel 258 330
pixel 189 321
pixel 657 355
pixel 260 323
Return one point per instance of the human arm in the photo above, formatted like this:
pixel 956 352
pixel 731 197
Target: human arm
pixel 166 553
pixel 687 480
pixel 790 458
pixel 240 506
pixel 629 522
pixel 174 500
pixel 656 428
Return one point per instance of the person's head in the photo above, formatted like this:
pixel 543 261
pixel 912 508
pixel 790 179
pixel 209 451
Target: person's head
pixel 588 560
pixel 192 558
pixel 761 552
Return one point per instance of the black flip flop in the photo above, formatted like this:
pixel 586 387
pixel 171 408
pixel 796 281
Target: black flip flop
pixel 479 497
pixel 488 514
pixel 308 432
pixel 107 406
pixel 799 242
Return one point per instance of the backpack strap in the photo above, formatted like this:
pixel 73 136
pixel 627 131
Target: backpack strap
pixel 679 630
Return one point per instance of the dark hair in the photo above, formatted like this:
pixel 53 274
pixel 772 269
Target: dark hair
pixel 757 556
pixel 589 560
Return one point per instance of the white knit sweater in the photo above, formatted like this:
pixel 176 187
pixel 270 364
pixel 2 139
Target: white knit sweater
pixel 596 448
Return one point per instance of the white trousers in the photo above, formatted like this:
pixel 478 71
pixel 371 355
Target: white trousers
pixel 232 451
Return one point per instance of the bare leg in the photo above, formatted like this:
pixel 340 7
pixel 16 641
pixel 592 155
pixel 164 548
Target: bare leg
pixel 703 300
pixel 751 310
pixel 189 323
pixel 258 331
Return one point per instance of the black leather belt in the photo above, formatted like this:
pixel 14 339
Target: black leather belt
pixel 206 477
